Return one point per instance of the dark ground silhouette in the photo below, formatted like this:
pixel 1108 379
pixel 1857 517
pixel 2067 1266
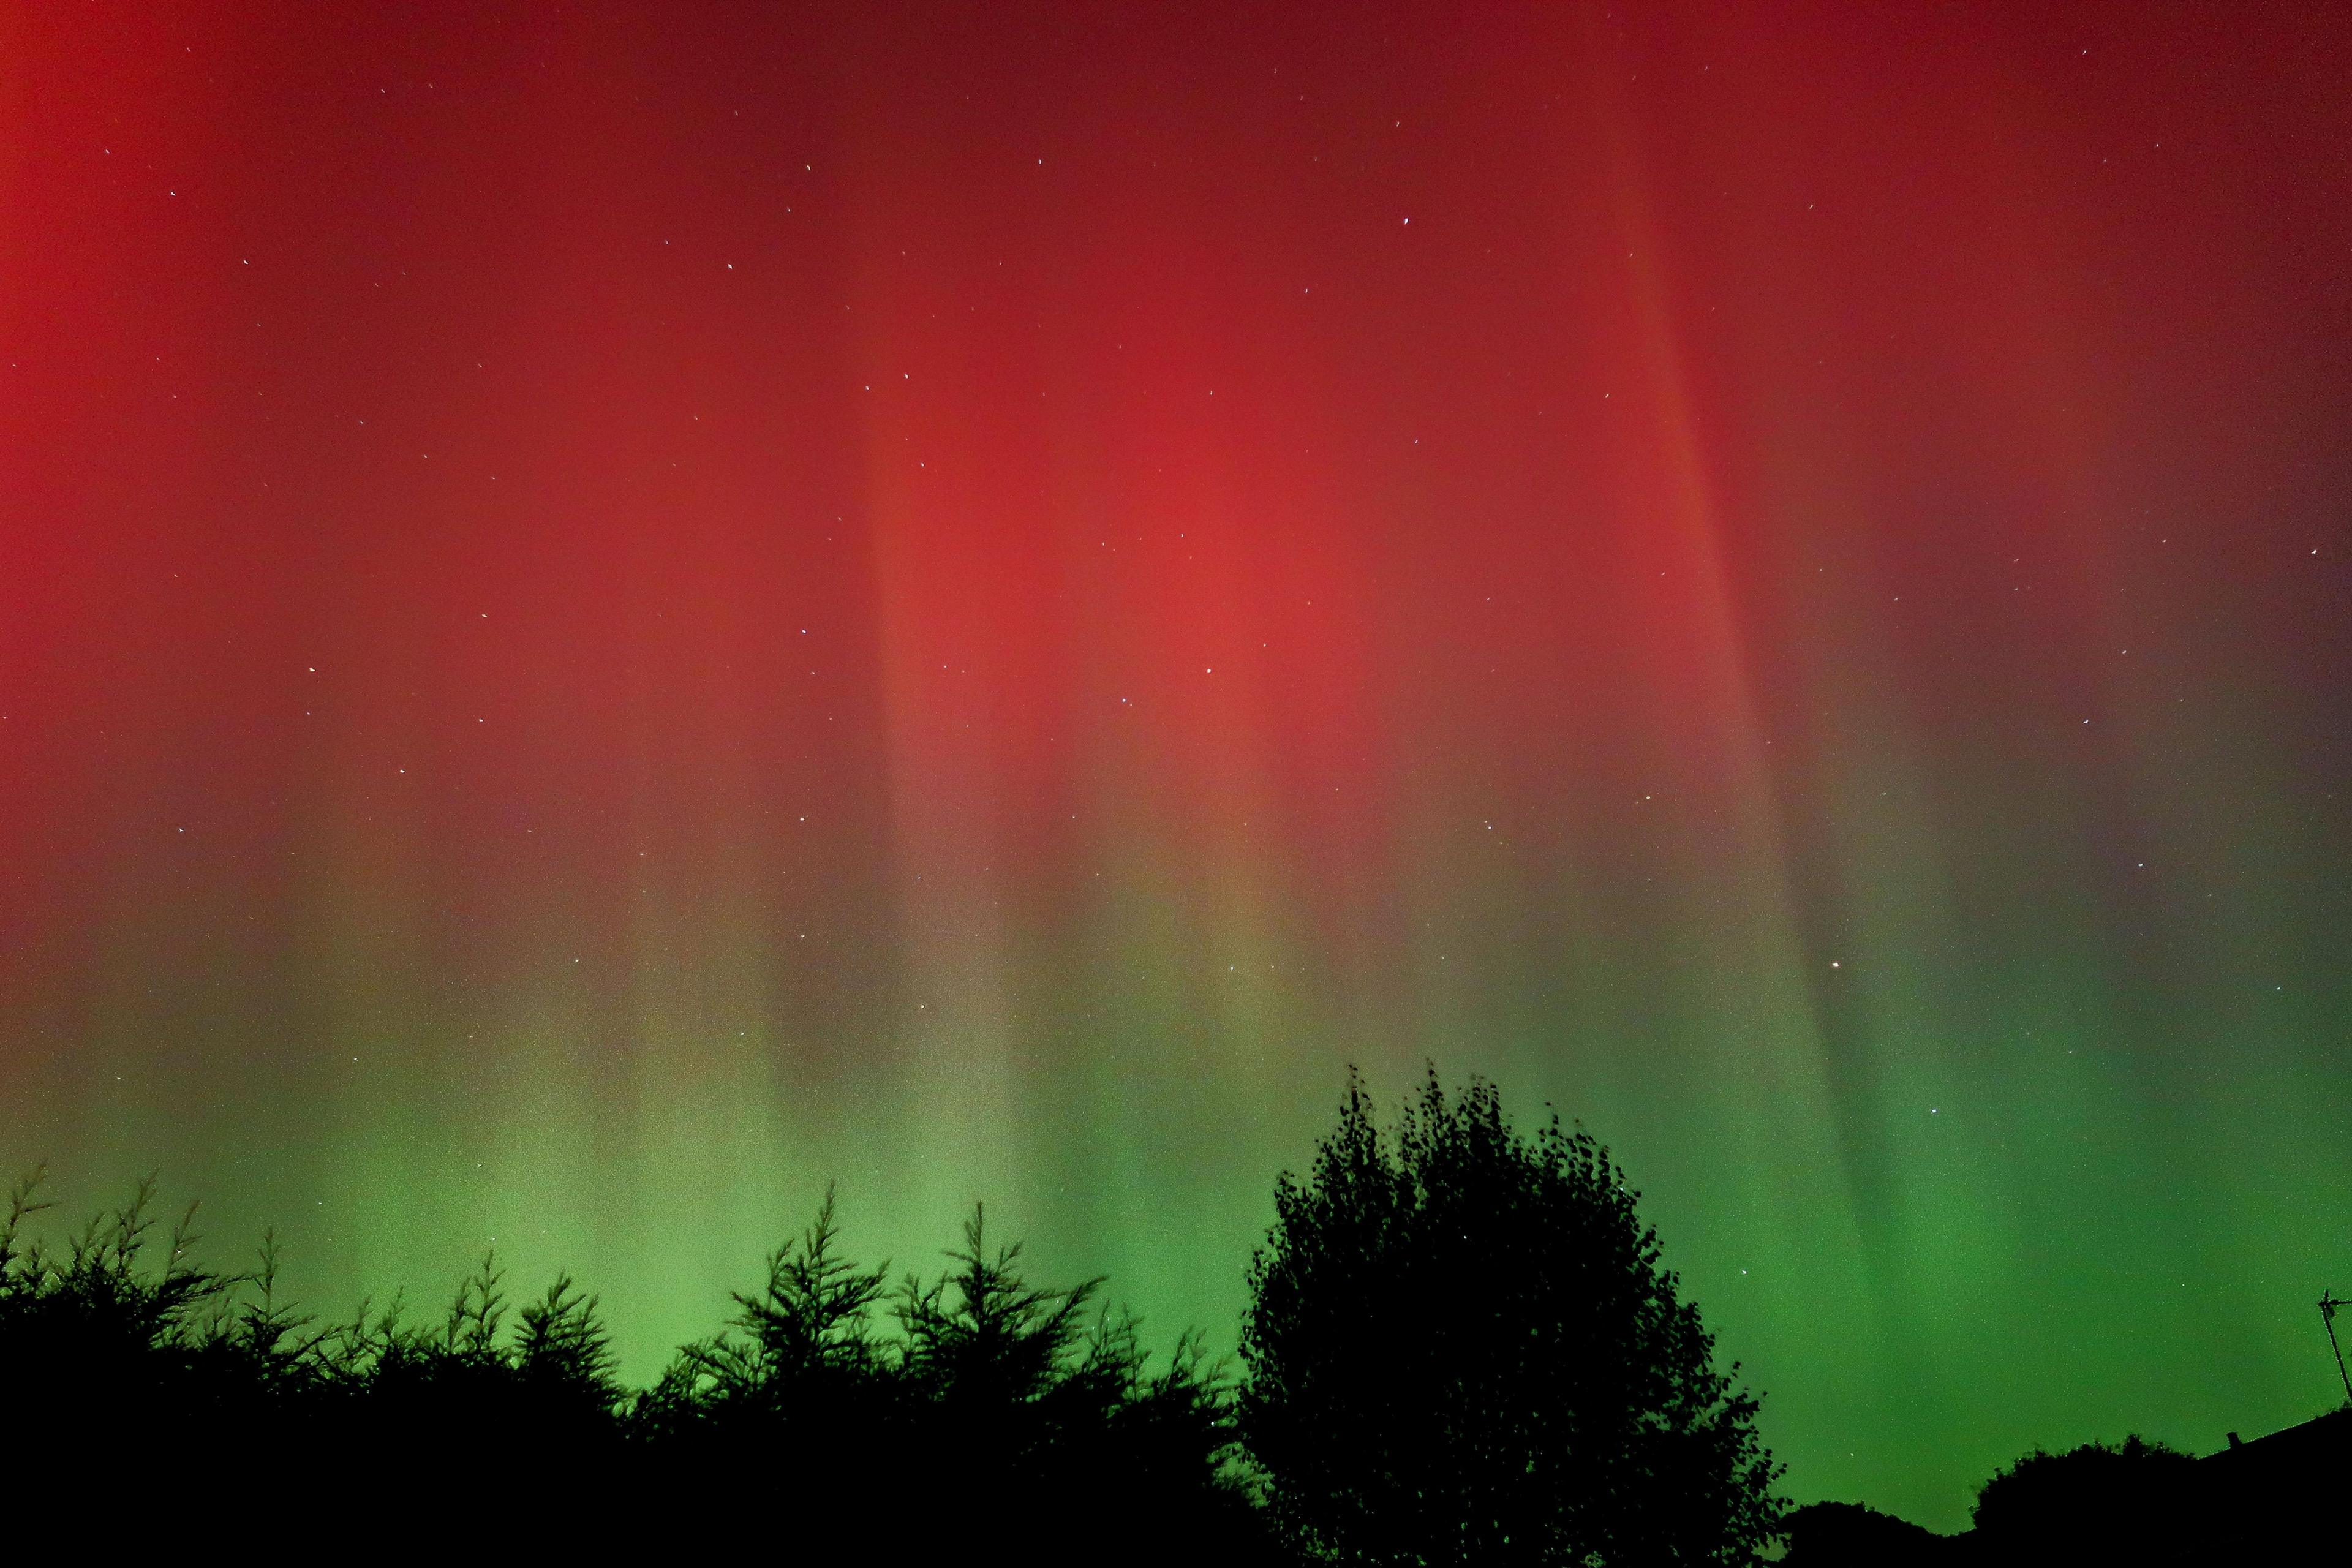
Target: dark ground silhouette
pixel 995 1412
pixel 1461 1347
pixel 1850 1535
pixel 2272 1500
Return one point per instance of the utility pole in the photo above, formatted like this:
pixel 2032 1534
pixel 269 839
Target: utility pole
pixel 2328 1301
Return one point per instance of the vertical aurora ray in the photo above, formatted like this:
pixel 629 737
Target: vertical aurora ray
pixel 603 619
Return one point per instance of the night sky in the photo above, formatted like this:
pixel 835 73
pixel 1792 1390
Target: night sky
pixel 607 612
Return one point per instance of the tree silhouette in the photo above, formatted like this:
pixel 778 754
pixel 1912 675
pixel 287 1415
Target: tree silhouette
pixel 1461 1346
pixel 798 1384
pixel 995 1399
pixel 977 1401
pixel 807 1336
pixel 562 1357
pixel 1000 1340
pixel 1848 1535
pixel 89 1333
pixel 2126 1498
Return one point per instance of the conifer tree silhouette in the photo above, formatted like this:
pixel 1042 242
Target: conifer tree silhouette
pixel 993 1399
pixel 563 1356
pixel 807 1332
pixel 999 1339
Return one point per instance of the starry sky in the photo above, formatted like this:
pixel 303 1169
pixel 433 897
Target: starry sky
pixel 607 612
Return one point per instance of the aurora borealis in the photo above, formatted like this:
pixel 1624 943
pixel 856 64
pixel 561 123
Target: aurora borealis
pixel 608 612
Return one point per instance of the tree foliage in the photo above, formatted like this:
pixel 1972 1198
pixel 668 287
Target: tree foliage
pixel 1462 1347
pixel 835 1407
pixel 2130 1494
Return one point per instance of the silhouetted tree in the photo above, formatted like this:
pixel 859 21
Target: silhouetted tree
pixel 2124 1498
pixel 1848 1535
pixel 993 1400
pixel 1030 1404
pixel 90 1334
pixel 564 1358
pixel 798 1380
pixel 1461 1347
pixel 806 1336
pixel 998 1341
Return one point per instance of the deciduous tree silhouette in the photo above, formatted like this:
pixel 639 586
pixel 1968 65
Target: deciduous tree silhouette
pixel 1850 1535
pixel 2121 1501
pixel 1462 1347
